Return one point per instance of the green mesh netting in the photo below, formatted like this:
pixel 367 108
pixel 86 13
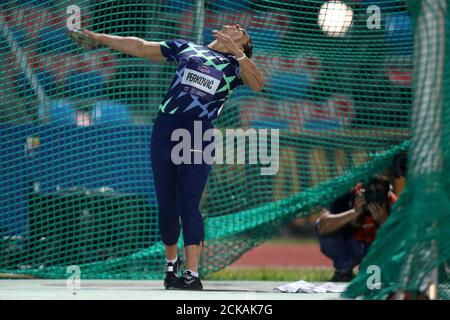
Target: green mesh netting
pixel 412 249
pixel 75 127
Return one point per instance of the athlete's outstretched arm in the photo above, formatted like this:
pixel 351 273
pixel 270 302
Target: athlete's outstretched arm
pixel 130 45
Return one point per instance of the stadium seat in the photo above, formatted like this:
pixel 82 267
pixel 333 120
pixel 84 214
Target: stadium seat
pixel 19 35
pixel 179 5
pixel 85 84
pixel 38 2
pixel 385 5
pixel 261 37
pixel 401 75
pixel 55 40
pixel 62 112
pixel 208 35
pixel 111 112
pixel 102 61
pixel 231 5
pixel 46 80
pixel 267 28
pixel 297 84
pixel 399 31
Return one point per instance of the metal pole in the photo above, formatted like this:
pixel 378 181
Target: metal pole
pixel 199 20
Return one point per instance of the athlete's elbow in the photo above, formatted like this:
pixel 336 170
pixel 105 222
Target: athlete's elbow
pixel 135 47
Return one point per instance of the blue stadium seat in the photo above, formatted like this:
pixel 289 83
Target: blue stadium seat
pixel 19 35
pixel 385 5
pixel 111 112
pixel 46 80
pixel 3 46
pixel 296 83
pixel 85 84
pixel 62 112
pixel 264 37
pixel 230 5
pixel 179 5
pixel 22 85
pixel 208 35
pixel 400 33
pixel 55 40
pixel 38 2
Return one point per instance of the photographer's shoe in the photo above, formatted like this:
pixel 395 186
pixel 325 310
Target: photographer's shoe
pixel 339 276
pixel 171 270
pixel 188 282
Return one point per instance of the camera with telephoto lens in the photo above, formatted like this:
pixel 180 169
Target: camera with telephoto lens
pixel 373 195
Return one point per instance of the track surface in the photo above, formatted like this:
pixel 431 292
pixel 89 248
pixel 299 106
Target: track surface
pixel 284 255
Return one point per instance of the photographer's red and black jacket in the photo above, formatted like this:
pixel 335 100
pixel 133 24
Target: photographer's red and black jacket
pixel 365 228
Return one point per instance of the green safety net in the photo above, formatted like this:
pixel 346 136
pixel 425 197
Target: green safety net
pixel 411 251
pixel 75 128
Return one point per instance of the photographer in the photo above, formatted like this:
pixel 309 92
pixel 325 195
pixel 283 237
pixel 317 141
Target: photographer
pixel 348 228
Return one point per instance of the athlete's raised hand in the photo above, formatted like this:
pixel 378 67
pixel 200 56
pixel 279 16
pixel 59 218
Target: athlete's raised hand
pixel 227 42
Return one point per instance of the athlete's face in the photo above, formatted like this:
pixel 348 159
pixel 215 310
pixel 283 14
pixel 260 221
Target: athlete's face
pixel 238 34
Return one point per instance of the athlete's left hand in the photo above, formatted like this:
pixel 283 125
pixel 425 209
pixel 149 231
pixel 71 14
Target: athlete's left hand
pixel 227 42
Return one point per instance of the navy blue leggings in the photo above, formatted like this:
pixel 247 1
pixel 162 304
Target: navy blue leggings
pixel 343 249
pixel 179 187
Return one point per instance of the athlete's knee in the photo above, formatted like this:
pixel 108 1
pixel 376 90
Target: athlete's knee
pixel 190 211
pixel 169 231
pixel 170 239
pixel 167 207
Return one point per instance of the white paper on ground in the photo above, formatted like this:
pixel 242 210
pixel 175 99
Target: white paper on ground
pixel 307 287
